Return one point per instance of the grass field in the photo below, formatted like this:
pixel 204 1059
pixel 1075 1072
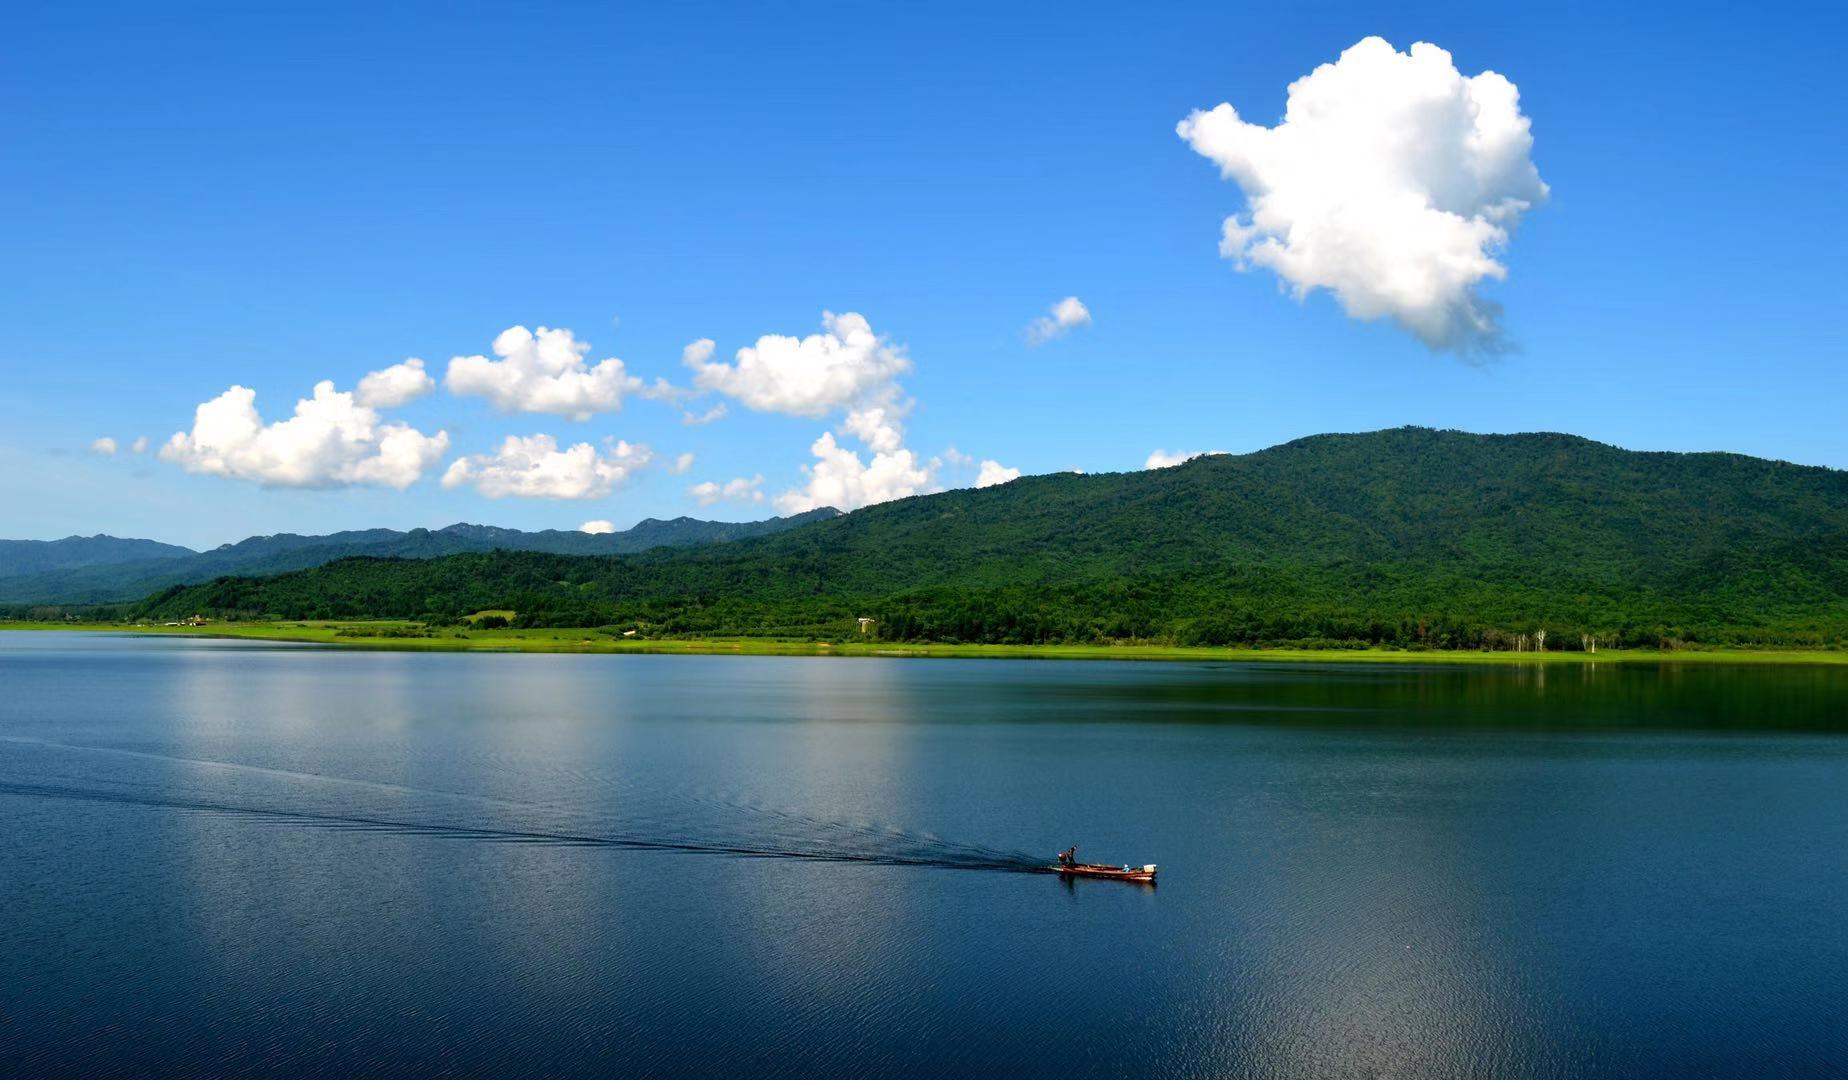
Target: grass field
pixel 388 634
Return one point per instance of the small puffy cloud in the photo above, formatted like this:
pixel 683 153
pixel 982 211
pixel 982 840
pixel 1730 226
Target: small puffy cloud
pixel 847 370
pixel 1163 459
pixel 535 468
pixel 838 478
pixel 735 490
pixel 662 390
pixel 692 419
pixel 139 446
pixel 391 387
pixel 1394 182
pixel 845 366
pixel 1062 317
pixel 681 464
pixel 598 527
pixel 877 427
pixel 957 457
pixel 105 446
pixel 331 441
pixel 543 372
pixel 993 472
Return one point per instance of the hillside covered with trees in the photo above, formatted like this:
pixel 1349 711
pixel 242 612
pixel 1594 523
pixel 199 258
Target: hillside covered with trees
pixel 1411 536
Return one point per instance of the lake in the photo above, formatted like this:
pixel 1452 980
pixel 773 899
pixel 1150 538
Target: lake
pixel 232 856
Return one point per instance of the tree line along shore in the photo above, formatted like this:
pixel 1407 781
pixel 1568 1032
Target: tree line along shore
pixel 413 636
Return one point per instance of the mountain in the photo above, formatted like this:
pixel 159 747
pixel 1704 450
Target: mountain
pixel 22 558
pixel 103 580
pixel 1410 535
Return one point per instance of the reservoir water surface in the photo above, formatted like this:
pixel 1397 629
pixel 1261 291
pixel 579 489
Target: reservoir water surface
pixel 227 856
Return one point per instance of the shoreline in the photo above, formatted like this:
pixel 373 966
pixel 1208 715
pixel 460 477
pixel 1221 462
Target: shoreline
pixel 457 639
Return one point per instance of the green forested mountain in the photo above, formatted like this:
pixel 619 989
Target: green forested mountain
pixel 132 573
pixel 1410 535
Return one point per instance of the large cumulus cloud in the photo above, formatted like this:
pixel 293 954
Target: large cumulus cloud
pixel 332 440
pixel 844 365
pixel 533 467
pixel 543 372
pixel 1394 181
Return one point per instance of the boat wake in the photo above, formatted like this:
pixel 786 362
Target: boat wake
pixel 881 847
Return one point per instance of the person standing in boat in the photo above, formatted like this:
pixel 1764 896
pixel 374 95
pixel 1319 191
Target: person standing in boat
pixel 1069 857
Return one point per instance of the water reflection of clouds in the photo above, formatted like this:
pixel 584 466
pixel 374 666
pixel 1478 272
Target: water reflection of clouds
pixel 1446 887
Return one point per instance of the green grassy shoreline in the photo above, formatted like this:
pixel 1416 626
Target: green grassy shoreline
pixel 377 635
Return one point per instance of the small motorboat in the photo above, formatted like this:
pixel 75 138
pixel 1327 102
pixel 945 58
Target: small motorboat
pixel 1144 873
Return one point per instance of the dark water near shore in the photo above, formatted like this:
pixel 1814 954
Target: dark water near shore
pixel 225 856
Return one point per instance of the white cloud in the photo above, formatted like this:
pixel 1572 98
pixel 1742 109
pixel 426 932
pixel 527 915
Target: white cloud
pixel 1163 459
pixel 839 479
pixel 845 366
pixel 331 441
pixel 662 390
pixel 391 387
pixel 140 445
pixel 993 472
pixel 598 527
pixel 877 427
pixel 681 464
pixel 957 457
pixel 736 490
pixel 695 356
pixel 848 370
pixel 535 468
pixel 1061 317
pixel 545 372
pixel 105 446
pixel 1393 181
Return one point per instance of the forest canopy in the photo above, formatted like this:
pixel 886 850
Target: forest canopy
pixel 1410 537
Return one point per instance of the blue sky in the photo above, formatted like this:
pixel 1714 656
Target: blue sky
pixel 198 197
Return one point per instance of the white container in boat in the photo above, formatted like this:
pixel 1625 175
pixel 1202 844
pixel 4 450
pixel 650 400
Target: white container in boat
pixel 1148 868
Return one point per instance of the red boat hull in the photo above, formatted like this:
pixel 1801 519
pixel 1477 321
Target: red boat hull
pixel 1144 874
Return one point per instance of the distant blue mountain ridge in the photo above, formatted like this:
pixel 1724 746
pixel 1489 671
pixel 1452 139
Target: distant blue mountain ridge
pixel 106 569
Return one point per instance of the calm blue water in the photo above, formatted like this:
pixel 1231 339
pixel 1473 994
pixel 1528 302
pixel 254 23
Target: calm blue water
pixel 233 857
